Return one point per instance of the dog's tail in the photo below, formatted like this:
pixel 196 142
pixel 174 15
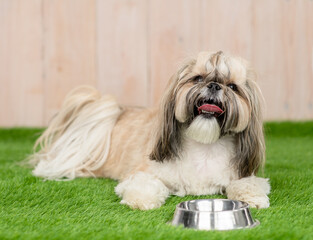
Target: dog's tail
pixel 77 141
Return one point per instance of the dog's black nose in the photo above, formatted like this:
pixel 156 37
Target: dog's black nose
pixel 214 87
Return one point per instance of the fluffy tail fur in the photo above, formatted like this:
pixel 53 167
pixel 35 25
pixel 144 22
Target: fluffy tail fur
pixel 77 141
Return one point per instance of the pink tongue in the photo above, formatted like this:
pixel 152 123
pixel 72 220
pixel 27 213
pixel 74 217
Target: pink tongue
pixel 210 108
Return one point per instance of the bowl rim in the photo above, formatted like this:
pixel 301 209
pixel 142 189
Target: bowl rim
pixel 245 206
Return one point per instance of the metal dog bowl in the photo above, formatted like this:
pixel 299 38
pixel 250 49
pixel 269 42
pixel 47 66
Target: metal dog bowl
pixel 214 214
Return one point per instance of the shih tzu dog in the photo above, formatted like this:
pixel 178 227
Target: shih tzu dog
pixel 206 137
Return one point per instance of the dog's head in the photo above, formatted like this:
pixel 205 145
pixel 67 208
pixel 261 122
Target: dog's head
pixel 208 98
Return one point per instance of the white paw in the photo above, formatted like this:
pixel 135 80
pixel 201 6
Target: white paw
pixel 142 191
pixel 142 205
pixel 257 201
pixel 252 190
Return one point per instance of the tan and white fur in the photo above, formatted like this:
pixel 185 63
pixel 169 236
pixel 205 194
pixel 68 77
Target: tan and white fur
pixel 173 149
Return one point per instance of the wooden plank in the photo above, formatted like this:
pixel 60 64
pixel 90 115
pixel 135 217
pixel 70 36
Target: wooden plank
pixel 174 35
pixel 302 82
pixel 21 94
pixel 308 10
pixel 226 26
pixel 266 54
pixel 282 39
pixel 290 51
pixel 69 49
pixel 122 50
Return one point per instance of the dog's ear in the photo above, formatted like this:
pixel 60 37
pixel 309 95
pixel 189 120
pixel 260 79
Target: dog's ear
pixel 250 152
pixel 168 132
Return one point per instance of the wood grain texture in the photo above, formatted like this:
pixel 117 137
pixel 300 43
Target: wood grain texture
pixel 302 82
pixel 226 26
pixel 267 54
pixel 174 35
pixel 21 91
pixel 122 50
pixel 130 49
pixel 282 43
pixel 69 49
pixel 308 57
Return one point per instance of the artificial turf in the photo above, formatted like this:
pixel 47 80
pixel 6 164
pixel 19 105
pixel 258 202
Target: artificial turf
pixel 31 208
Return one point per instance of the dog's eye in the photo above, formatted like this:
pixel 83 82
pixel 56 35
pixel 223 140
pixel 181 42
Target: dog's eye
pixel 232 86
pixel 198 78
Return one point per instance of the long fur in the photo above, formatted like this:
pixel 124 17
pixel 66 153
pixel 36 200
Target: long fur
pixel 204 130
pixel 77 141
pixel 168 135
pixel 168 139
pixel 250 155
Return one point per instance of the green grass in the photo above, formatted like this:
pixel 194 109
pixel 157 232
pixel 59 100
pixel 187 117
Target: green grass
pixel 31 208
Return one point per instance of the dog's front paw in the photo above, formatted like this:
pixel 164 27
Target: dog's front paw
pixel 256 201
pixel 142 191
pixel 252 190
pixel 142 204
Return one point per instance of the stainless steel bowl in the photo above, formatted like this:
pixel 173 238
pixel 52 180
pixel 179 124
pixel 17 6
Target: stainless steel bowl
pixel 214 214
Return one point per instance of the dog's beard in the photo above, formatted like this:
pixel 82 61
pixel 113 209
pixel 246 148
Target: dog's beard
pixel 204 130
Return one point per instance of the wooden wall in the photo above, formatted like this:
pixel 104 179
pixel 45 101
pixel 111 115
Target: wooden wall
pixel 130 48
